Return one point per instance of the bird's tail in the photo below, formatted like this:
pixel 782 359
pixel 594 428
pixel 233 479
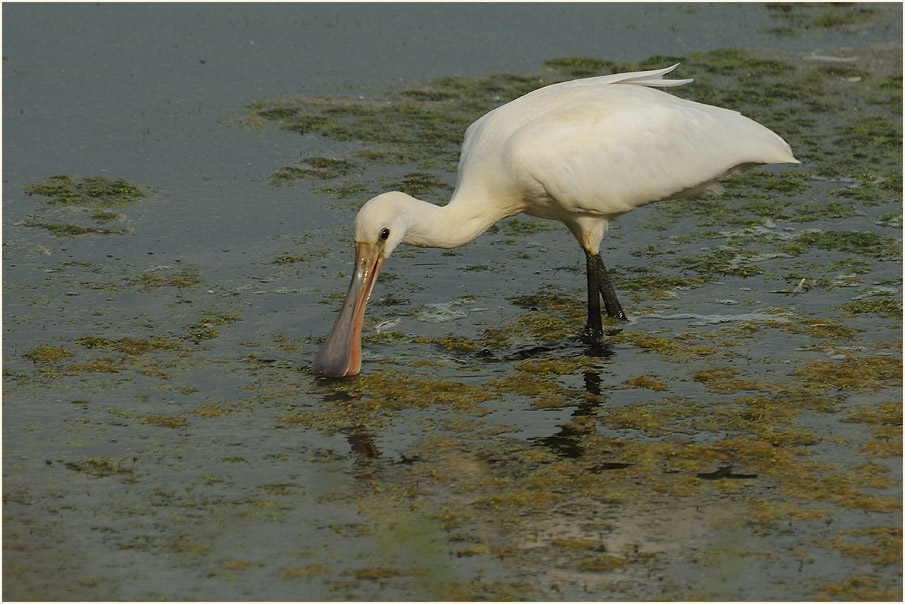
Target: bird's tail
pixel 653 78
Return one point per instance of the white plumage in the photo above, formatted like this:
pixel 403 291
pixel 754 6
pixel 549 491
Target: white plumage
pixel 581 152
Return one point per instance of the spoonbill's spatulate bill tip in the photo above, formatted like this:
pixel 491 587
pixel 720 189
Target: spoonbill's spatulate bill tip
pixel 581 152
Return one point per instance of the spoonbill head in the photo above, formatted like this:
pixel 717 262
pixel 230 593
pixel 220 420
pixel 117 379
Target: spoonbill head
pixel 580 152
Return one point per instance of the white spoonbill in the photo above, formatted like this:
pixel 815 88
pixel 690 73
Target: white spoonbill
pixel 581 152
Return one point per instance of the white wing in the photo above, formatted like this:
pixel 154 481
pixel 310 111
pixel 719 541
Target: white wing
pixel 522 110
pixel 619 147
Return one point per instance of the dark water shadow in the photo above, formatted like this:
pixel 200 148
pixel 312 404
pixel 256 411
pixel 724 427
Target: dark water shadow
pixel 362 442
pixel 568 441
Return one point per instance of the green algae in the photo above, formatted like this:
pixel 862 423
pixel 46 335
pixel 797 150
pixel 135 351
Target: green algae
pixel 723 261
pixel 722 380
pixel 167 277
pixel 802 19
pixel 322 168
pixel 165 421
pixel 581 67
pixel 524 226
pixel 854 373
pixel 396 390
pixel 101 467
pixel 646 382
pixel 884 307
pixel 810 211
pixel 130 346
pixel 886 413
pixel 818 328
pixel 94 198
pixel 862 243
pixel 206 327
pixel 304 571
pixel 48 355
pixel 71 229
pixel 92 191
pixel 420 184
pixel 681 346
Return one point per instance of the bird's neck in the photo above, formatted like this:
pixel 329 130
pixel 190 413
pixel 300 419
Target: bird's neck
pixel 459 222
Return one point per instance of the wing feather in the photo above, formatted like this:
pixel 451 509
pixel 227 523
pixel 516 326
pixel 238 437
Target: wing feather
pixel 629 146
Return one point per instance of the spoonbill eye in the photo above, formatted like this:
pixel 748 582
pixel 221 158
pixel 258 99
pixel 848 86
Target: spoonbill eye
pixel 384 234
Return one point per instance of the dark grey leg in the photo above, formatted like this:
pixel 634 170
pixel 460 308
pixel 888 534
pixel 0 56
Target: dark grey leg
pixel 593 330
pixel 599 285
pixel 613 308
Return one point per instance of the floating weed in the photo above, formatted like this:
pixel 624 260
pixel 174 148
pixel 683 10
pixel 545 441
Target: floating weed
pixel 555 366
pixel 732 61
pixel 166 276
pixel 458 343
pixel 647 383
pixel 723 261
pixel 100 192
pixel 70 229
pixel 346 191
pixel 105 216
pixel 102 365
pixel 47 355
pixel 131 346
pixel 304 571
pixel 581 67
pixel 679 346
pixel 398 390
pixel 810 211
pixel 516 226
pixel 884 307
pixel 205 328
pixel 855 242
pixel 722 380
pixel 89 197
pixel 421 183
pixel 884 545
pixel 892 220
pixel 290 258
pixel 182 545
pixel 885 448
pixel 547 392
pixel 102 466
pixel 885 421
pixel 817 328
pixel 780 185
pixel 870 133
pixel 548 301
pixel 165 421
pixel 544 327
pixel 858 588
pixel 872 191
pixel 654 419
pixel 323 168
pixel 658 287
pixel 340 418
pixel 799 19
pixel 886 413
pixel 853 373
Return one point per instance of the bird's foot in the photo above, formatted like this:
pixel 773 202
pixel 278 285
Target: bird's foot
pixel 619 316
pixel 592 335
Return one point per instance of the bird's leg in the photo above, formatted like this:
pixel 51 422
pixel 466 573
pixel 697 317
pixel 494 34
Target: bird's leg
pixel 610 301
pixel 593 330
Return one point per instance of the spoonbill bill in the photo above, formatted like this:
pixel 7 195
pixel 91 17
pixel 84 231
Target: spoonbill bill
pixel 581 152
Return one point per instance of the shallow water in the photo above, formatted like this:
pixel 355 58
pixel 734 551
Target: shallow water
pixel 739 439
